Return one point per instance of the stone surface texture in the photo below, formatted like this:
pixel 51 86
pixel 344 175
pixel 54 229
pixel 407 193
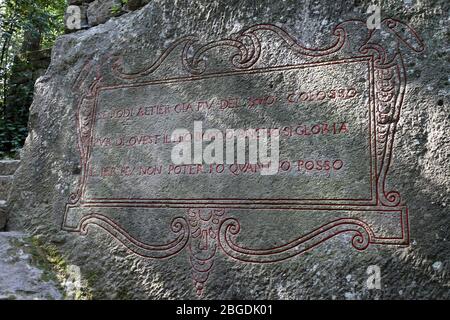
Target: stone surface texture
pixel 3 214
pixel 51 165
pixel 95 12
pixel 7 169
pixel 20 278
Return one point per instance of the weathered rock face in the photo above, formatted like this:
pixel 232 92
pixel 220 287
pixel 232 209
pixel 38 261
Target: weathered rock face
pixel 3 215
pixel 7 169
pixel 363 178
pixel 21 279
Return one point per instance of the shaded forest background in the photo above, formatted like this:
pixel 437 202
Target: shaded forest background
pixel 29 29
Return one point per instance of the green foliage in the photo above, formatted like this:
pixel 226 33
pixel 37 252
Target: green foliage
pixel 25 25
pixel 117 8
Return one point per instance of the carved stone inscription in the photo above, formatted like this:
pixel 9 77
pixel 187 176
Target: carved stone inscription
pixel 322 110
pixel 336 109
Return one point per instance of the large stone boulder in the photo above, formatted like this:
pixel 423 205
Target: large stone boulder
pixel 358 209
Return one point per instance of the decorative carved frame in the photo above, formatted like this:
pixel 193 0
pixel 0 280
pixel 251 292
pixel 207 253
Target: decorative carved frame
pixel 207 225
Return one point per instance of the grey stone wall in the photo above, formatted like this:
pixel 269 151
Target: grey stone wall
pixel 95 12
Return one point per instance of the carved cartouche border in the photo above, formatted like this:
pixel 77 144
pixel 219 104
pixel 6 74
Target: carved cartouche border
pixel 205 228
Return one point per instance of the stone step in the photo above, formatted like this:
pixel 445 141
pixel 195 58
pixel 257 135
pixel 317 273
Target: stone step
pixel 8 167
pixel 21 277
pixel 5 185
